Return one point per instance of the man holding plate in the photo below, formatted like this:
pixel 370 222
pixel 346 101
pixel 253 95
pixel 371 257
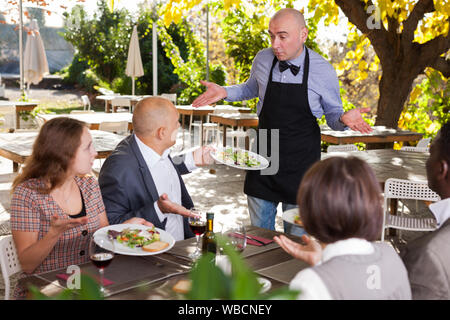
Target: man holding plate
pixel 295 85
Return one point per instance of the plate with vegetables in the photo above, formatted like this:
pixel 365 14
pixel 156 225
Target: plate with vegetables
pixel 240 158
pixel 136 239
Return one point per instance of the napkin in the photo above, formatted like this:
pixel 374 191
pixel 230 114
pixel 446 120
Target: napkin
pixel 253 242
pixel 65 276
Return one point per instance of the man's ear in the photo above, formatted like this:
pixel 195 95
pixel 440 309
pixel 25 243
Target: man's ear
pixel 444 169
pixel 160 132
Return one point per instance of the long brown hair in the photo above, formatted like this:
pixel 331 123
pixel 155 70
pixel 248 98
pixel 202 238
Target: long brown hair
pixel 53 151
pixel 340 198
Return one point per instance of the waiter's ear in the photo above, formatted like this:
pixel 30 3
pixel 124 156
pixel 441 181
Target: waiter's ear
pixel 304 34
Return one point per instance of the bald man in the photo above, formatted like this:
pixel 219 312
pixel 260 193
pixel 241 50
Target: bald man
pixel 295 86
pixel 139 179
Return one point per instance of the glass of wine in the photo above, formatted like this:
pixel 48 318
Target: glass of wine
pixel 198 227
pixel 101 253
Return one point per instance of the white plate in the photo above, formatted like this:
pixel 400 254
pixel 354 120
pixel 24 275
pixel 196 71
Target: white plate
pixel 289 216
pixel 264 163
pixel 124 249
pixel 266 284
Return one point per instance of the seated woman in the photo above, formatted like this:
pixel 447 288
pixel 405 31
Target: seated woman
pixel 56 206
pixel 341 206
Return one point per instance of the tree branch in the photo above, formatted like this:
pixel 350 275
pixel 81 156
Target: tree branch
pixel 442 65
pixel 417 14
pixel 432 49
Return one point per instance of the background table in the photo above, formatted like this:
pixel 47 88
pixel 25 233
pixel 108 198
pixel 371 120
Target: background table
pixel 95 118
pixel 235 120
pixel 19 145
pixel 379 135
pixel 20 106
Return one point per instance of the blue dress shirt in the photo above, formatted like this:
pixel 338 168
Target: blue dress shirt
pixel 323 85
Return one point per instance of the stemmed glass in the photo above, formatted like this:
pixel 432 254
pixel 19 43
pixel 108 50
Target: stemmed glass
pixel 237 236
pixel 198 227
pixel 101 253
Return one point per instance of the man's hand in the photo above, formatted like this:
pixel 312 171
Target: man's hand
pixel 213 93
pixel 202 156
pixel 311 252
pixel 353 119
pixel 167 206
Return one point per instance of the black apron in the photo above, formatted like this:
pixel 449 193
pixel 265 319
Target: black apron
pixel 286 108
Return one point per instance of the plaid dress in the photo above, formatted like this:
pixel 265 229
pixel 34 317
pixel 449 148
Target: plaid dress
pixel 31 211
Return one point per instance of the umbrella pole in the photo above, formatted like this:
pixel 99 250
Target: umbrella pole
pixel 22 89
pixel 132 82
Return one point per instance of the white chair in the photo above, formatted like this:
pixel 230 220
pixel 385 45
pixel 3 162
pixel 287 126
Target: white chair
pixel 406 189
pixel 9 261
pixel 117 127
pixel 107 92
pixel 414 149
pixel 423 143
pixel 2 88
pixel 118 104
pixel 9 115
pixel 170 96
pixel 86 102
pixel 81 111
pixel 342 148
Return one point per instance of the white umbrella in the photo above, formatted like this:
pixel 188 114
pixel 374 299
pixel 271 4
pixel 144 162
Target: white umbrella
pixel 35 60
pixel 134 63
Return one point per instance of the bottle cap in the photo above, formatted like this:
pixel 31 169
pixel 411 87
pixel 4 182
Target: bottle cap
pixel 209 215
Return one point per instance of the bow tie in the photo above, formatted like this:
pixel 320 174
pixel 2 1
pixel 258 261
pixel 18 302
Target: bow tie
pixel 283 65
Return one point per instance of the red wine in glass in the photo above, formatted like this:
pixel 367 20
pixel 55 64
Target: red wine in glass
pixel 102 260
pixel 198 227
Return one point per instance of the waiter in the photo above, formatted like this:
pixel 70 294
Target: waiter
pixel 295 86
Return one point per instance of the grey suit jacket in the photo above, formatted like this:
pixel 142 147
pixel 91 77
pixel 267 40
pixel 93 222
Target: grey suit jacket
pixel 427 260
pixel 128 189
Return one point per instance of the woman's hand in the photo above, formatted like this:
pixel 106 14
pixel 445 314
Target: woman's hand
pixel 59 225
pixel 142 221
pixel 311 252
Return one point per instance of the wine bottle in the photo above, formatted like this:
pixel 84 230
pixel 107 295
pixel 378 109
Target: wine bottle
pixel 209 241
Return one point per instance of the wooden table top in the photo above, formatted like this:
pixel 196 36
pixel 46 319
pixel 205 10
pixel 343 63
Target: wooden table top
pixel 18 146
pixel 378 135
pixel 153 277
pixel 205 110
pixel 389 163
pixel 235 119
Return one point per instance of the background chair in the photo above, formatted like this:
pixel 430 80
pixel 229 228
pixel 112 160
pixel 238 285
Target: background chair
pixel 170 96
pixel 118 105
pixel 86 102
pixel 9 261
pixel 2 88
pixel 406 189
pixel 107 92
pixel 423 143
pixel 342 148
pixel 117 127
pixel 415 149
pixel 9 116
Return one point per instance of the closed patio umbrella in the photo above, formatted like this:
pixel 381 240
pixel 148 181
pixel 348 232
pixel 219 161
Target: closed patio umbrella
pixel 35 60
pixel 134 63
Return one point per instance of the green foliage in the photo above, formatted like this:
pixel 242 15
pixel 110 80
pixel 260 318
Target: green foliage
pixel 209 281
pixel 429 105
pixel 89 290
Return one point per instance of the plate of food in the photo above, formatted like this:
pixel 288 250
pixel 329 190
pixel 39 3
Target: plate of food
pixel 292 216
pixel 136 239
pixel 240 158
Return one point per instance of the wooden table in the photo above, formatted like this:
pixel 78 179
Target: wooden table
pixel 153 277
pixel 235 120
pixel 20 106
pixel 19 145
pixel 94 119
pixel 379 135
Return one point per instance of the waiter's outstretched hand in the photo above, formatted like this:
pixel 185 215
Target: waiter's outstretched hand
pixel 213 93
pixel 354 120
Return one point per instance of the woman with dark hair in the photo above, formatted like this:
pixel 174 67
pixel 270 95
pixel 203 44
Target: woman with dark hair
pixel 56 206
pixel 340 206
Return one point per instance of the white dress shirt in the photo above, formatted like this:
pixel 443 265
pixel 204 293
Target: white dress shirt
pixel 166 181
pixel 309 283
pixel 441 211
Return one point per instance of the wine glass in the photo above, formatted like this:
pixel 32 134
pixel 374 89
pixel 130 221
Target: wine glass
pixel 101 253
pixel 237 236
pixel 198 227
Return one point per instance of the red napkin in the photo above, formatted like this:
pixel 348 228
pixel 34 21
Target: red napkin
pixel 65 276
pixel 253 242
